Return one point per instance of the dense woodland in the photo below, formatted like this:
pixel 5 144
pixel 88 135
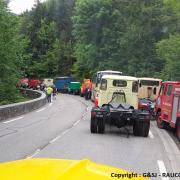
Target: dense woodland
pixel 80 37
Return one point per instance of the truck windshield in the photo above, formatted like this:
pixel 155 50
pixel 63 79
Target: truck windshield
pixel 119 83
pixel 100 74
pixel 149 83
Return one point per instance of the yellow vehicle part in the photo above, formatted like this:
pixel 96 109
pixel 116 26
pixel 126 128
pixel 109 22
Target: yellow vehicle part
pixel 49 169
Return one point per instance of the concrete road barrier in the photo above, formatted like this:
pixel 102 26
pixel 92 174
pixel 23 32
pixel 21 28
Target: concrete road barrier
pixel 17 109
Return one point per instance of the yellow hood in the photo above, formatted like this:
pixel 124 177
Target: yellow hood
pixel 49 169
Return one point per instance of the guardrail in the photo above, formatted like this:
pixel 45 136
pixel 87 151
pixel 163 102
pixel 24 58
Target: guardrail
pixel 17 109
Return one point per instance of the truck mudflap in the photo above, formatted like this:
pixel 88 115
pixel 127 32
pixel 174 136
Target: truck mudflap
pixel 54 169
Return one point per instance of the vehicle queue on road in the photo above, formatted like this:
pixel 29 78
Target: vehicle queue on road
pixel 161 99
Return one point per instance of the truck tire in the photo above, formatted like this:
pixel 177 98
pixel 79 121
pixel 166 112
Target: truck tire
pixel 86 96
pixel 101 126
pixel 94 126
pixel 160 122
pixel 178 130
pixel 141 128
pixel 90 94
pixel 78 92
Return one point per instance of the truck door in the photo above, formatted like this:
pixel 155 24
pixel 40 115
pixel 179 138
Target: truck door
pixel 102 94
pixel 167 103
pixel 160 98
pixel 96 85
pixel 175 109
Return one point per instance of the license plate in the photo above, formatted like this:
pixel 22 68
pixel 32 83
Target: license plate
pixel 99 115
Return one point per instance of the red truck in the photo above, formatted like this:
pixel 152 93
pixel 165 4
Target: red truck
pixel 23 83
pixel 168 106
pixel 34 83
pixel 86 89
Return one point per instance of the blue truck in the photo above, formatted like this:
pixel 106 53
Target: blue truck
pixel 62 83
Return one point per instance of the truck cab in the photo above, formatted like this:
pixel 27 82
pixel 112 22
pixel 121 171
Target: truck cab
pixel 115 83
pixel 168 106
pixel 48 82
pixel 149 88
pixel 147 93
pixel 97 79
pixel 62 83
pixel 34 83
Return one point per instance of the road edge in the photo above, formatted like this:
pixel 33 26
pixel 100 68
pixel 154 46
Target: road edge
pixel 170 147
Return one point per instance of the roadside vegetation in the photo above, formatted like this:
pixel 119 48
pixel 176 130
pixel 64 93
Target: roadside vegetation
pixel 79 37
pixel 19 98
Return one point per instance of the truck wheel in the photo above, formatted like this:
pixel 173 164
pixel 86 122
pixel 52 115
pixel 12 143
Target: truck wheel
pixel 160 123
pixel 93 125
pixel 86 96
pixel 146 128
pixel 89 97
pixel 101 126
pixel 141 128
pixel 178 130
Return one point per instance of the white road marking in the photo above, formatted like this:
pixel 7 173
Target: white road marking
pixel 77 122
pixel 41 110
pixel 13 120
pixel 84 115
pixel 65 131
pixel 162 169
pixel 58 137
pixel 34 154
pixel 151 135
pixel 55 139
pixel 50 104
pixel 87 108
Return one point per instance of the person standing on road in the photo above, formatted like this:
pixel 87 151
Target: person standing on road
pixel 49 92
pixel 42 87
pixel 54 92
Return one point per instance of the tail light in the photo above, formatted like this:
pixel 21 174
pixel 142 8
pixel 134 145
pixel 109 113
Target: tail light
pixel 93 114
pixel 96 102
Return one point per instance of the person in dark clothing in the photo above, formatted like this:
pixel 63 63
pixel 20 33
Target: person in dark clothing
pixel 54 92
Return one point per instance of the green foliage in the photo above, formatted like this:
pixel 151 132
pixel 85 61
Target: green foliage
pixel 82 36
pixel 48 27
pixel 41 52
pixel 169 50
pixel 118 35
pixel 11 54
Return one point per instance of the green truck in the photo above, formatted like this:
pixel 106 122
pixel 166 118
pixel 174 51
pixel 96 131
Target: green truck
pixel 74 88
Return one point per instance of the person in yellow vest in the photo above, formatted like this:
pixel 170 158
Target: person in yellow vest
pixel 49 92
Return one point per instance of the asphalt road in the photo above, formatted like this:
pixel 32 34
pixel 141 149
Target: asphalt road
pixel 61 130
